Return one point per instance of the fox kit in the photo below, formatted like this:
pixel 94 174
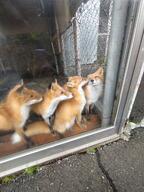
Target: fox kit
pixel 69 112
pixel 51 99
pixel 35 128
pixel 93 90
pixel 14 111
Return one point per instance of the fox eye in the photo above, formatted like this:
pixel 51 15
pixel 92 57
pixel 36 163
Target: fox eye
pixel 31 96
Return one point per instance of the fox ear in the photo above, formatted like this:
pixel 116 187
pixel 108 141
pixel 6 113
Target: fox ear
pixel 53 86
pixel 49 86
pixel 70 78
pixel 56 81
pixel 100 71
pixel 89 76
pixel 20 89
pixel 21 82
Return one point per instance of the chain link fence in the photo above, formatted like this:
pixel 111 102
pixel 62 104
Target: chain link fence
pixel 85 41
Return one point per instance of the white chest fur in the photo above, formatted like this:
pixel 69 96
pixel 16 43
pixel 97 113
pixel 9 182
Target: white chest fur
pixel 24 115
pixel 95 93
pixel 69 125
pixel 83 99
pixel 51 109
pixel 53 105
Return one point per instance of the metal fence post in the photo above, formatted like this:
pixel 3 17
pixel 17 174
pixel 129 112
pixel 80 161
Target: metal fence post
pixel 114 52
pixel 76 48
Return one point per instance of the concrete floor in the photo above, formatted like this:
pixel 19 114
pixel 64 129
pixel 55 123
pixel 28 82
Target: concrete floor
pixel 118 166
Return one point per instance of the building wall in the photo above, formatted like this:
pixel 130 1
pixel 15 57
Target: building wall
pixel 62 13
pixel 27 54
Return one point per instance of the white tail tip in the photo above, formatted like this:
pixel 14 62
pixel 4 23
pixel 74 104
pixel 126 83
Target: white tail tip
pixel 15 138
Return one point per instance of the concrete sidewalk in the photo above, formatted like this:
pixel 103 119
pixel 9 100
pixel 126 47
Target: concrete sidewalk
pixel 118 166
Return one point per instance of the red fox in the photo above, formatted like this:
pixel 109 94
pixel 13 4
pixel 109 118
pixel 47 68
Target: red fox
pixel 51 99
pixel 69 111
pixel 14 111
pixel 93 90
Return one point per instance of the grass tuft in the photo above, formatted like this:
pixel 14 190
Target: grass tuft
pixel 7 179
pixel 91 150
pixel 31 170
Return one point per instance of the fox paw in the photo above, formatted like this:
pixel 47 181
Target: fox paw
pixel 83 125
pixel 84 120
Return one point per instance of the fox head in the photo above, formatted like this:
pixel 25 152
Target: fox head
pixel 24 95
pixel 97 77
pixel 60 92
pixel 76 81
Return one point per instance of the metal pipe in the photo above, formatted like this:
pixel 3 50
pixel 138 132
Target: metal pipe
pixel 119 16
pixel 131 18
pixel 76 48
pixel 55 58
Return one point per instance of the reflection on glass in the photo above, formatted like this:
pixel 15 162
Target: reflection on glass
pixel 52 62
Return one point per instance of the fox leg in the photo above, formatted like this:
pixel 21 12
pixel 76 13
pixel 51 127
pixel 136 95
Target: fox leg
pixel 79 120
pixel 60 134
pixel 59 131
pixel 92 106
pixel 87 108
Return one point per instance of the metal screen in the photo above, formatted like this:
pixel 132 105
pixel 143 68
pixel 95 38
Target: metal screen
pixel 85 41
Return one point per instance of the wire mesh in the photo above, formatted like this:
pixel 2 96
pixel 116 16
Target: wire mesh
pixel 85 42
pixel 87 18
pixel 68 48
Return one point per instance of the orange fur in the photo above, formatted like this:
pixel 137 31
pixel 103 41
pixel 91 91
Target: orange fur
pixel 70 111
pixel 51 97
pixel 12 115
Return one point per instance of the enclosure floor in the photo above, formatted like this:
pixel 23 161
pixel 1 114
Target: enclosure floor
pixel 7 148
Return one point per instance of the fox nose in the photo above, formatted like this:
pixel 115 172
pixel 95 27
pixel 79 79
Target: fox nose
pixel 91 80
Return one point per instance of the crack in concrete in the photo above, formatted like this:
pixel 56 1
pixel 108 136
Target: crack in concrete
pixel 101 166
